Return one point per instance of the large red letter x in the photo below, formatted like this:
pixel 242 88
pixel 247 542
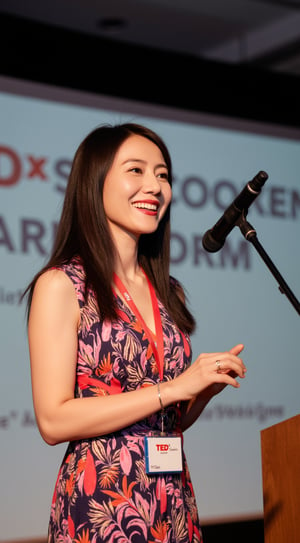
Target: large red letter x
pixel 37 165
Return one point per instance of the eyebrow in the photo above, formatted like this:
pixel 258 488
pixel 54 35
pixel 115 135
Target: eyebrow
pixel 161 165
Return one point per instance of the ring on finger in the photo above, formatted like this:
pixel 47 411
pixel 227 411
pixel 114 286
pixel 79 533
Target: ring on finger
pixel 218 364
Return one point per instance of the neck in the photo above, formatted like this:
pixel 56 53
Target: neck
pixel 126 261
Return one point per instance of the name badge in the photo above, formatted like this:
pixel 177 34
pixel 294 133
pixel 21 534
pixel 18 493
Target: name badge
pixel 163 454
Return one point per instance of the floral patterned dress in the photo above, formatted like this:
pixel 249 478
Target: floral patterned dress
pixel 103 493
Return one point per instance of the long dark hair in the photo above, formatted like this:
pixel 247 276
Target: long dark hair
pixel 83 229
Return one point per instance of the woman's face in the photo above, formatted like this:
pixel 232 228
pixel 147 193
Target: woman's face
pixel 136 190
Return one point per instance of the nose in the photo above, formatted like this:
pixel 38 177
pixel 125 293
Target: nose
pixel 151 184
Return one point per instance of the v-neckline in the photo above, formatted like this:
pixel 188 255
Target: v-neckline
pixel 129 302
pixel 125 305
pixel 156 340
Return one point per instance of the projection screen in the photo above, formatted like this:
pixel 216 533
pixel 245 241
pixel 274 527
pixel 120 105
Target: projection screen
pixel 232 293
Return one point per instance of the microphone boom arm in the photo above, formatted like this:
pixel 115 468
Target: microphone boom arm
pixel 250 235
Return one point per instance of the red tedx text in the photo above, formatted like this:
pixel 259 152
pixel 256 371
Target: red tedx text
pixel 18 167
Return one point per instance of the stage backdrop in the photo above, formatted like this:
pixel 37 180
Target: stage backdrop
pixel 232 293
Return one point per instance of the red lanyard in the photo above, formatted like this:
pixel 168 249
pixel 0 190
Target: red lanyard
pixel 158 347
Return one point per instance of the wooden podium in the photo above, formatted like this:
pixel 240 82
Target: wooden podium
pixel 280 449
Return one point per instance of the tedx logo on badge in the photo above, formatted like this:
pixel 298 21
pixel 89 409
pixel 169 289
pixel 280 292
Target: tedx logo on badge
pixel 165 447
pixel 162 447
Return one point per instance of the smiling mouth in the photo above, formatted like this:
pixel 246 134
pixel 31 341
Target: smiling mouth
pixel 146 205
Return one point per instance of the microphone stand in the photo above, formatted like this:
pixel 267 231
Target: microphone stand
pixel 250 234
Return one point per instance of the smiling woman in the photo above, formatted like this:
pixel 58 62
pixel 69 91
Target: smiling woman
pixel 110 350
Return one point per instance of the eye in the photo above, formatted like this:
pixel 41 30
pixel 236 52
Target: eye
pixel 136 169
pixel 163 175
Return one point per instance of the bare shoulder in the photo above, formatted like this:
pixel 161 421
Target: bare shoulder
pixel 54 290
pixel 55 282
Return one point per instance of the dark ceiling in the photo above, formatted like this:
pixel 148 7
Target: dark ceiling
pixel 236 57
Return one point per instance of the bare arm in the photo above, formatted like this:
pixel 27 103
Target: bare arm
pixel 53 325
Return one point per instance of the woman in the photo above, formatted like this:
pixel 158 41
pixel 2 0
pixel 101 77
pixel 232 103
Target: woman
pixel 110 350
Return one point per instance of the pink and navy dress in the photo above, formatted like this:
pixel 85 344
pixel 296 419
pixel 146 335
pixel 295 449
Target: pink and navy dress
pixel 102 493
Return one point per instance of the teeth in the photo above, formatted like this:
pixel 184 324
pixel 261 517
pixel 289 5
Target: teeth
pixel 142 205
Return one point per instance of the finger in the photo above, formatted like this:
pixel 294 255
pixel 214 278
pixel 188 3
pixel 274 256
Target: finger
pixel 229 363
pixel 238 368
pixel 227 379
pixel 237 349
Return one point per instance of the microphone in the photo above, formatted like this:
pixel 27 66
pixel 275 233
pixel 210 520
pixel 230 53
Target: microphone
pixel 214 239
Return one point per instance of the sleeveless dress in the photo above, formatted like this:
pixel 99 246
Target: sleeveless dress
pixel 102 493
